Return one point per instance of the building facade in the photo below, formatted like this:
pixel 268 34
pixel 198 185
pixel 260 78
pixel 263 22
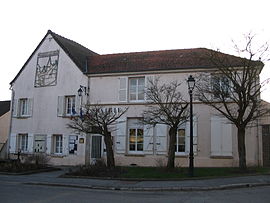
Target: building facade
pixel 4 127
pixel 45 96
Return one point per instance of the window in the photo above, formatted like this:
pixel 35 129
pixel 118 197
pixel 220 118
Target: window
pixel 58 144
pixel 135 139
pixel 136 135
pixel 70 105
pixel 23 142
pixel 23 107
pixel 221 137
pixel 180 145
pixel 136 89
pixel 220 86
pixel 73 144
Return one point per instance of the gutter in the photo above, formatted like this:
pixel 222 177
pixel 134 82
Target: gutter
pixel 10 123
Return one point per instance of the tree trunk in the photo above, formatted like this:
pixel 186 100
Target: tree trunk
pixel 171 152
pixel 109 149
pixel 241 148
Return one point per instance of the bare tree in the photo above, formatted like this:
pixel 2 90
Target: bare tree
pixel 233 89
pixel 167 107
pixel 101 120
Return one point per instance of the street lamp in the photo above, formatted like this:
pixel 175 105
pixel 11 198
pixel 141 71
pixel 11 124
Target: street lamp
pixel 80 94
pixel 191 84
pixel 81 90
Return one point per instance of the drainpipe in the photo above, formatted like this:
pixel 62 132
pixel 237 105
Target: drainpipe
pixel 258 143
pixel 10 122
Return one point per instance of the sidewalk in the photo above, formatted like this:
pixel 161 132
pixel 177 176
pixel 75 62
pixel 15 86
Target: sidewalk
pixel 53 179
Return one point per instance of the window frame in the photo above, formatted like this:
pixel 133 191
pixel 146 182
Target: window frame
pixel 137 89
pixel 23 107
pixel 177 144
pixel 135 125
pixel 58 144
pixel 75 143
pixel 23 143
pixel 221 83
pixel 70 105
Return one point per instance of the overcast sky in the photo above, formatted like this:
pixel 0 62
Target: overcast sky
pixel 116 26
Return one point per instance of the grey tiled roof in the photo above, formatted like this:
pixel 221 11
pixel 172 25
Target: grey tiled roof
pixel 4 107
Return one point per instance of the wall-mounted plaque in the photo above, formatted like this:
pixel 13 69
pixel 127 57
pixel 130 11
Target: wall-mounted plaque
pixel 46 70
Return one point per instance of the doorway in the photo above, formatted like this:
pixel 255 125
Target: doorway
pixel 96 147
pixel 266 144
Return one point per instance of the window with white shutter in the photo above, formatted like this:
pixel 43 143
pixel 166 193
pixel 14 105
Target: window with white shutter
pixel 161 138
pixel 221 136
pixel 123 89
pixel 121 136
pixel 22 107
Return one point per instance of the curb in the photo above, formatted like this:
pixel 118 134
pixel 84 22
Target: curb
pixel 158 179
pixel 151 189
pixel 49 169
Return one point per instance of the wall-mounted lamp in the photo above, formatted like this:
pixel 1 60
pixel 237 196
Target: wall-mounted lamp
pixel 81 90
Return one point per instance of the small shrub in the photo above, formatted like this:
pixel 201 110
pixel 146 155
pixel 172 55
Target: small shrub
pixel 38 159
pixel 98 169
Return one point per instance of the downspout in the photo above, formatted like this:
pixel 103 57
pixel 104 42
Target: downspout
pixel 258 144
pixel 87 136
pixel 10 122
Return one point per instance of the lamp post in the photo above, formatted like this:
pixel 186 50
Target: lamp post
pixel 191 84
pixel 80 94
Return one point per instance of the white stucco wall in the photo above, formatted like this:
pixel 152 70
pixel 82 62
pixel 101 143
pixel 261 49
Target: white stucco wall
pixel 44 119
pixel 101 94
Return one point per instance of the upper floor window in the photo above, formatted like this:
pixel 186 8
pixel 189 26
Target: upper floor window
pixel 136 89
pixel 67 105
pixel 23 107
pixel 70 105
pixel 220 86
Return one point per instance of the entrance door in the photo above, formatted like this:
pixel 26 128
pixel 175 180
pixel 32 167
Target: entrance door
pixel 40 144
pixel 96 147
pixel 266 144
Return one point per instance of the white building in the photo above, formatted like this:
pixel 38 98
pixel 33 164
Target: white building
pixel 44 96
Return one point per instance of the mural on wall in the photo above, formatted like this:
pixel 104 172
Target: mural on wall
pixel 46 70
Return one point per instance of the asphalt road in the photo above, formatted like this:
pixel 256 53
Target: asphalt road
pixel 20 193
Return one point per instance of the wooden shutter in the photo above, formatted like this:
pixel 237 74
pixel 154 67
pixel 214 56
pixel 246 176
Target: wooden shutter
pixel 13 143
pixel 123 89
pixel 65 144
pixel 60 106
pixel 221 137
pixel 121 134
pixel 148 139
pixel 226 139
pixel 147 78
pixel 215 136
pixel 49 144
pixel 29 106
pixel 15 108
pixel 30 143
pixel 77 105
pixel 161 138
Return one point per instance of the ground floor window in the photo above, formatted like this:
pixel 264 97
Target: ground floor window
pixel 136 135
pixel 57 144
pixel 73 144
pixel 23 142
pixel 180 145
